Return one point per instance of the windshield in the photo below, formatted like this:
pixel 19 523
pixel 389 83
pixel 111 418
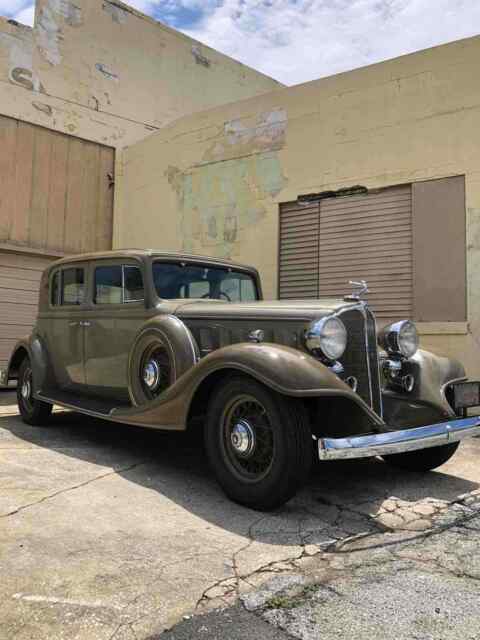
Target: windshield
pixel 173 280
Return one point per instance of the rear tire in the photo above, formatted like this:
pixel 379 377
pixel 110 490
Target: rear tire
pixel 34 412
pixel 423 459
pixel 258 443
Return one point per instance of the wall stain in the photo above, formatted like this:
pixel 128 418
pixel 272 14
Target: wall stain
pixel 219 203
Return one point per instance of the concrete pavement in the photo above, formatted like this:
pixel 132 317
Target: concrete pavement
pixel 109 532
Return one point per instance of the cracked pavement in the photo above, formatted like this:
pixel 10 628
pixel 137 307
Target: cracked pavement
pixel 109 531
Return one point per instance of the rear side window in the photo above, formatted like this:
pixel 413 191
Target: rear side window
pixel 133 284
pixel 116 284
pixel 108 285
pixel 73 286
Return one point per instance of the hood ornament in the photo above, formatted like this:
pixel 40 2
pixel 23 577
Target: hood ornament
pixel 360 289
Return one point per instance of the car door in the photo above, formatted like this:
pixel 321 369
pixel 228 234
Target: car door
pixel 111 324
pixel 65 330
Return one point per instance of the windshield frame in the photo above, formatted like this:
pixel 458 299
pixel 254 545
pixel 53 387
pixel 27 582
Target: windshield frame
pixel 184 262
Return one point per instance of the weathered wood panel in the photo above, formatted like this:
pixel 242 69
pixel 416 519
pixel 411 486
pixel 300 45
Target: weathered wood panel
pixel 55 191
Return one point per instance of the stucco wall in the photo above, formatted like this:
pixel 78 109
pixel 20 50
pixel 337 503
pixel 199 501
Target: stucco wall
pixel 211 183
pixel 105 72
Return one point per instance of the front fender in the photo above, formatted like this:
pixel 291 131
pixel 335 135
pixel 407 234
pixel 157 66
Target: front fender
pixel 427 402
pixel 283 369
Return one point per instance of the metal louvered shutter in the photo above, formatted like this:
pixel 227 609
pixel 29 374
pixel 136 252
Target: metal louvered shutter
pixel 298 251
pixel 326 244
pixel 369 237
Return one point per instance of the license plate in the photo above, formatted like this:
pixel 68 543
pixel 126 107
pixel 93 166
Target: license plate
pixel 466 394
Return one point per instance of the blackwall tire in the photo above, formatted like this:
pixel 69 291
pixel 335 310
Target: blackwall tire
pixel 258 443
pixel 34 412
pixel 422 460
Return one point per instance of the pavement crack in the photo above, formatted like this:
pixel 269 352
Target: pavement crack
pixel 72 488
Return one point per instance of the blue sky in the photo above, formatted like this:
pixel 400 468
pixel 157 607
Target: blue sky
pixel 300 40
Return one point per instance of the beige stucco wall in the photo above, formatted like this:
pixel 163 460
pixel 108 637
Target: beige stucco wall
pixel 211 183
pixel 102 71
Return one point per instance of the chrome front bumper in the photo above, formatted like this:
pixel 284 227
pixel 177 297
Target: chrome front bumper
pixel 380 444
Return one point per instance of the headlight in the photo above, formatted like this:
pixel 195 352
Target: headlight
pixel 328 336
pixel 400 339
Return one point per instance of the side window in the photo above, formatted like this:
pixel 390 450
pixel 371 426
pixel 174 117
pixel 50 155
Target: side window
pixel 55 289
pixel 133 284
pixel 73 286
pixel 108 285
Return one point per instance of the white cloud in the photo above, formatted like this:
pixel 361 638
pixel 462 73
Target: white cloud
pixel 26 15
pixel 10 7
pixel 300 40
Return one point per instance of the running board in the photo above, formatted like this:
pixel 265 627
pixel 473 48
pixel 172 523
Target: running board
pixel 89 405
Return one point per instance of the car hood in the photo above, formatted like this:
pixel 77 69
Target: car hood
pixel 263 309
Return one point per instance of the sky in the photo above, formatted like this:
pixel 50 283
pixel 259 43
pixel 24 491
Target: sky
pixel 299 40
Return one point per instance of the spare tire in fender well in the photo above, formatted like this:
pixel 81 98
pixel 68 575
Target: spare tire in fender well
pixel 175 338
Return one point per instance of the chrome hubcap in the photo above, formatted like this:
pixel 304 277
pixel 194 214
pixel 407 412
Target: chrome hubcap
pixel 243 438
pixel 151 374
pixel 26 389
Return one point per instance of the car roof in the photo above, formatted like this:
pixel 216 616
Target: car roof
pixel 150 253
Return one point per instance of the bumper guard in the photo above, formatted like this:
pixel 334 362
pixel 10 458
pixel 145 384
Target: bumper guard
pixel 379 444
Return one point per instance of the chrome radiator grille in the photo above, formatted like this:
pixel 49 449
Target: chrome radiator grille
pixel 361 355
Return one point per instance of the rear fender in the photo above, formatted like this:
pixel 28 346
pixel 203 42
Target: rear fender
pixel 32 347
pixel 283 369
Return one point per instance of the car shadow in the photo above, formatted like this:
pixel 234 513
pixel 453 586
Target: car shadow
pixel 340 498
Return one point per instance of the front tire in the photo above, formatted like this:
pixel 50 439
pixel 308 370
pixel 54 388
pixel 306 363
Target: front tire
pixel 34 412
pixel 422 460
pixel 258 443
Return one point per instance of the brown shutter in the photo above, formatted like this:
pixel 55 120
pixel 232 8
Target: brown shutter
pixel 369 237
pixel 298 251
pixel 439 249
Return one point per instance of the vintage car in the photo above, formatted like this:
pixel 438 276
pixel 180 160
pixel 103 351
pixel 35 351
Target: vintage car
pixel 170 341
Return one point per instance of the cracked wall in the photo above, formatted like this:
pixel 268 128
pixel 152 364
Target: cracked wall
pixel 110 74
pixel 409 119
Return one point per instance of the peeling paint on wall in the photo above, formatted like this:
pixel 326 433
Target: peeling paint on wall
pixel 117 13
pixel 199 57
pixel 49 36
pixel 106 72
pixel 219 202
pixel 20 56
pixel 242 137
pixel 71 12
pixel 44 108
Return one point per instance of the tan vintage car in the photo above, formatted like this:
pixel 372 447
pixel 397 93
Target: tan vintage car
pixel 171 341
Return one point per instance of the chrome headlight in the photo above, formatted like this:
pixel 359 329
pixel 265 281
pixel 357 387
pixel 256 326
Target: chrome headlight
pixel 400 339
pixel 327 336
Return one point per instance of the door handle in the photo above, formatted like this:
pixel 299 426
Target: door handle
pixel 73 324
pixel 85 323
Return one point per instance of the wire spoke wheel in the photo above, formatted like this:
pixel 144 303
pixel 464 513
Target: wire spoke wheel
pixel 247 438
